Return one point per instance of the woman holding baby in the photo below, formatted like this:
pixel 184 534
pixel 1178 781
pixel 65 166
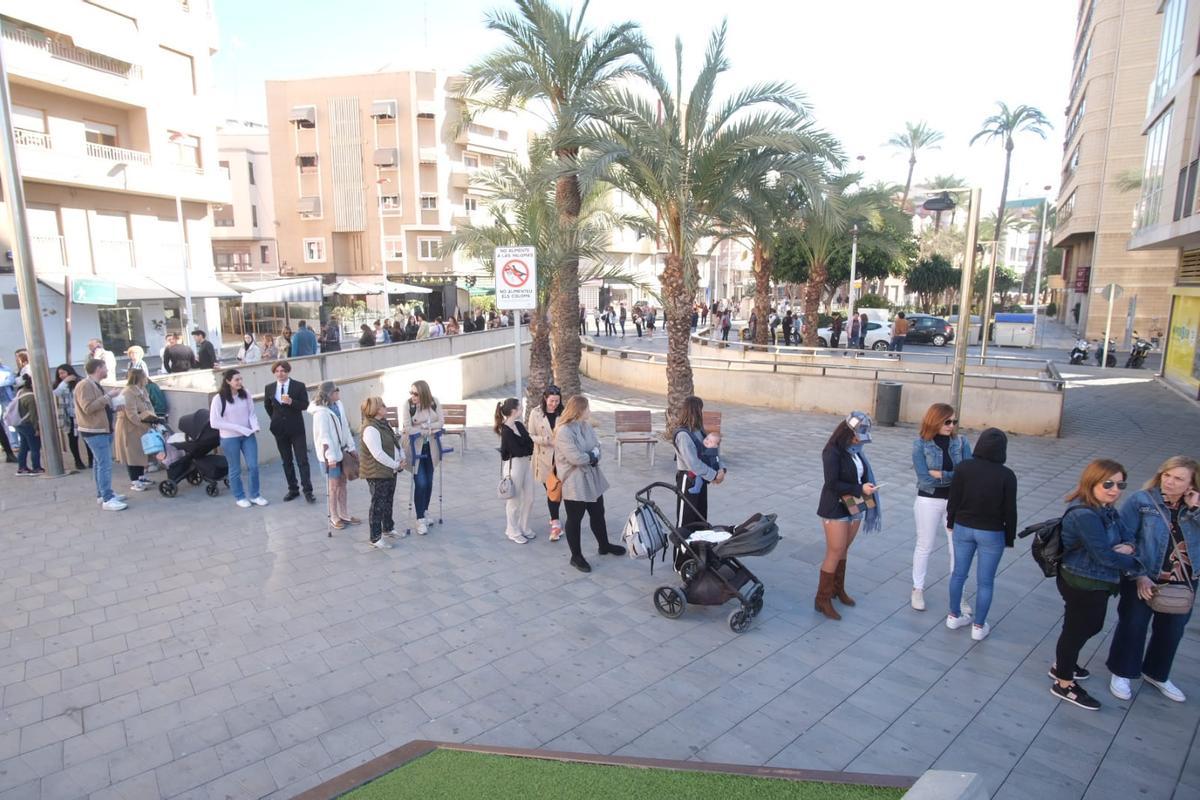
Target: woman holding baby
pixel 697 454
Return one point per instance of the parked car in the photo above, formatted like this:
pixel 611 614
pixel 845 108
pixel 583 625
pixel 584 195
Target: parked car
pixel 879 335
pixel 928 329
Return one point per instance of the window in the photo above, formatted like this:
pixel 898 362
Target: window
pixel 264 253
pixel 393 248
pixel 428 248
pixel 1153 171
pixel 29 119
pixel 307 162
pixel 389 202
pixel 502 135
pixel 429 202
pixel 250 169
pixel 224 167
pixel 470 161
pixel 223 216
pixel 232 262
pixel 187 149
pixel 479 129
pixel 1073 125
pixel 254 216
pixel 471 204
pixel 100 133
pixel 176 71
pixel 1067 208
pixel 1072 163
pixel 1169 47
pixel 314 251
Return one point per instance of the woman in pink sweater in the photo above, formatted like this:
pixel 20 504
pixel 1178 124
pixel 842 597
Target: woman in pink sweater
pixel 232 414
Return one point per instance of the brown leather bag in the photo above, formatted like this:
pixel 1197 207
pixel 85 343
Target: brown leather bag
pixel 350 465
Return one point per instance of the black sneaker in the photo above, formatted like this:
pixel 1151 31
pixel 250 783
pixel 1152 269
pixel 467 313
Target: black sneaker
pixel 291 495
pixel 581 564
pixel 1075 694
pixel 1081 674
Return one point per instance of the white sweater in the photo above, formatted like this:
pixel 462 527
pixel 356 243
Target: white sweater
pixel 331 433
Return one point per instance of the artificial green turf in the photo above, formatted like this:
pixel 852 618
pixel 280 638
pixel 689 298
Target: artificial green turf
pixel 457 775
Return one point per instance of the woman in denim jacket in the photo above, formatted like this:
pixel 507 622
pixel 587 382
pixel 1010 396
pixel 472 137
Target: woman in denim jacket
pixel 936 453
pixel 1165 517
pixel 1097 550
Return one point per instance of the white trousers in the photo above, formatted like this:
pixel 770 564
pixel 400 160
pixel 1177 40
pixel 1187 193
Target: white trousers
pixel 517 508
pixel 930 516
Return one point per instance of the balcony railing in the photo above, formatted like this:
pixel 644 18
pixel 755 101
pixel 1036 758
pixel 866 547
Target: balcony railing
pixel 109 153
pixel 32 139
pixel 68 52
pixel 49 252
pixel 113 254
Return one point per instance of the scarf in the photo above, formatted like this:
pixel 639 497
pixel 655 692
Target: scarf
pixel 873 520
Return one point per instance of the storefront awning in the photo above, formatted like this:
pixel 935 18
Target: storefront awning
pixel 290 290
pixel 207 286
pixel 347 287
pixel 406 288
pixel 130 285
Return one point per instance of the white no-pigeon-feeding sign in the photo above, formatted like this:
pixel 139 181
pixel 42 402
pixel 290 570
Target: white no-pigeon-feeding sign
pixel 516 278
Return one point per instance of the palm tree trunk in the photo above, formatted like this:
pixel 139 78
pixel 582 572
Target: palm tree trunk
pixel 564 295
pixel 677 301
pixel 762 294
pixel 817 273
pixel 540 359
pixel 912 163
pixel 995 262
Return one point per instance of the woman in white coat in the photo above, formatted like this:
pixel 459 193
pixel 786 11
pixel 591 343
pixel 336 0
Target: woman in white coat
pixel 332 438
pixel 421 432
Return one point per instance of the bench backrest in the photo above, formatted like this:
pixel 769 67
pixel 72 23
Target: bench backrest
pixel 633 421
pixel 712 421
pixel 454 413
pixel 393 417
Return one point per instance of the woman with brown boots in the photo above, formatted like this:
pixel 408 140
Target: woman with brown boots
pixel 848 498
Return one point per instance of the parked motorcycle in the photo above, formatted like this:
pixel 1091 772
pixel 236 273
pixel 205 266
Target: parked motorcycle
pixel 1079 353
pixel 1112 353
pixel 1137 354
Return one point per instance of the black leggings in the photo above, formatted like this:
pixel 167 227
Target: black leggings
pixel 383 495
pixel 595 512
pixel 1083 618
pixel 554 506
pixel 73 446
pixel 135 473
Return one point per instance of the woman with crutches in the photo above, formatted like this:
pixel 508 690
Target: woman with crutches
pixel 421 432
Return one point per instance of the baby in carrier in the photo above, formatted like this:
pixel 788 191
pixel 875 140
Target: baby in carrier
pixel 710 454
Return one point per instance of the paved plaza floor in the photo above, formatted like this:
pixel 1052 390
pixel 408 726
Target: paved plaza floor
pixel 188 648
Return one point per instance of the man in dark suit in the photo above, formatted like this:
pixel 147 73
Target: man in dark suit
pixel 285 401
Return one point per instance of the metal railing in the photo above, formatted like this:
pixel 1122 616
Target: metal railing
pixel 110 153
pixel 25 138
pixel 49 252
pixel 69 52
pixel 113 254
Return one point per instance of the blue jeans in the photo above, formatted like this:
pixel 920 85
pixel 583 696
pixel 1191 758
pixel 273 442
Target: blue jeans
pixel 1129 657
pixel 990 546
pixel 897 344
pixel 31 444
pixel 235 448
pixel 423 482
pixel 101 446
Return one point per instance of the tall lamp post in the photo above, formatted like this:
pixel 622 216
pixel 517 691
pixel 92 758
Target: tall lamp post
pixel 853 267
pixel 176 138
pixel 1041 258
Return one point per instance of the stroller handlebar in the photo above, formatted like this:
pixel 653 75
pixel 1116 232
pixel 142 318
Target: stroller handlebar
pixel 643 496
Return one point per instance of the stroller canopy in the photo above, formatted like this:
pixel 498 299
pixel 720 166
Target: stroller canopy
pixel 757 538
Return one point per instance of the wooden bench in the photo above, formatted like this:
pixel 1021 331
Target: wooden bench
pixel 633 427
pixel 393 418
pixel 454 417
pixel 712 422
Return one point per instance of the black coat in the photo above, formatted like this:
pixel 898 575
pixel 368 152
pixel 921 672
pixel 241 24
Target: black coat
pixel 841 478
pixel 286 420
pixel 206 355
pixel 983 492
pixel 178 358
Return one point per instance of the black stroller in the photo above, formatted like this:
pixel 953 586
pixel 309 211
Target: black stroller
pixel 709 561
pixel 194 460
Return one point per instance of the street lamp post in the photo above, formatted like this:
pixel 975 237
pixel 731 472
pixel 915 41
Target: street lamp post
pixel 175 138
pixel 964 303
pixel 853 267
pixel 1041 257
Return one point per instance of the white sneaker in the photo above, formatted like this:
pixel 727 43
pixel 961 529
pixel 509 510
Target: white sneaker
pixel 422 528
pixel 1120 687
pixel 1169 690
pixel 114 505
pixel 918 599
pixel 961 621
pixel 138 486
pixel 518 538
pixel 392 534
pixel 529 534
pixel 980 632
pixel 381 545
pixel 259 501
pixel 121 497
pixel 243 503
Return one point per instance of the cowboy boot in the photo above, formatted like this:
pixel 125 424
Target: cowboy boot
pixel 839 586
pixel 824 599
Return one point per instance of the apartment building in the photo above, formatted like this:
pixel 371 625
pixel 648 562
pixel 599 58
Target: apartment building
pixel 1167 221
pixel 1116 58
pixel 243 235
pixel 114 132
pixel 373 172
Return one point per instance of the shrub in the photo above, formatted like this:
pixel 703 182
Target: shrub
pixel 1052 310
pixel 872 301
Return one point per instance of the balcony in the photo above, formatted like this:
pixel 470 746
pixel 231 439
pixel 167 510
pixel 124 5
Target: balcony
pixel 49 253
pixel 25 138
pixel 428 155
pixel 460 176
pixel 56 48
pixel 106 152
pixel 113 255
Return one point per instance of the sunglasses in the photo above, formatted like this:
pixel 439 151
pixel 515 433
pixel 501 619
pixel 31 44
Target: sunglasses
pixel 950 422
pixel 414 394
pixel 1110 484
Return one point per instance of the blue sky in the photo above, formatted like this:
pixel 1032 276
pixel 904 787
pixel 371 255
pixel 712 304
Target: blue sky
pixel 866 65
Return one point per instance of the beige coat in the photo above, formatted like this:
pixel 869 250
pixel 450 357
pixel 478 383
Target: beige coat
pixel 543 444
pixel 572 443
pixel 425 422
pixel 127 439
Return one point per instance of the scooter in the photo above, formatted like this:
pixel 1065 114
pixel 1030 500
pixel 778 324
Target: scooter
pixel 1079 353
pixel 1137 354
pixel 1112 353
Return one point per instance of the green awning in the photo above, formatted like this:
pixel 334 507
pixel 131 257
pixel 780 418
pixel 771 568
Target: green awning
pixel 480 291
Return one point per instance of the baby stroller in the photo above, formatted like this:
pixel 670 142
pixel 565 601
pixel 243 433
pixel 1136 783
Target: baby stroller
pixel 194 460
pixel 710 564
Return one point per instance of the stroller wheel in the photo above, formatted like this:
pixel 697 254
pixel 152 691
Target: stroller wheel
pixel 167 489
pixel 756 601
pixel 689 569
pixel 212 490
pixel 195 478
pixel 739 620
pixel 670 602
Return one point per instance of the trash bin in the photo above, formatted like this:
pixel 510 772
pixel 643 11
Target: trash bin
pixel 887 402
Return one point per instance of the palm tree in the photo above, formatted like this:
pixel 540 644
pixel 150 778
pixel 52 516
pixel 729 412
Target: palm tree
pixel 1004 125
pixel 522 208
pixel 551 60
pixel 755 214
pixel 914 138
pixel 686 157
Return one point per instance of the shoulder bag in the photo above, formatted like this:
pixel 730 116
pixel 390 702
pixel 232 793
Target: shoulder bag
pixel 1173 598
pixel 506 490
